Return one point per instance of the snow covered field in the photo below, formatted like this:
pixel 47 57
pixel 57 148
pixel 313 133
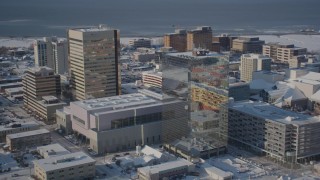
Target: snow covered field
pixel 312 42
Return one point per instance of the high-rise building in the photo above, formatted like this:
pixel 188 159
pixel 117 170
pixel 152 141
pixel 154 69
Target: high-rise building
pixel 200 78
pixel 53 53
pixel 43 55
pixel 176 40
pixel 93 57
pixel 251 63
pixel 247 45
pixel 39 85
pixel 282 53
pixel 200 38
pixel 225 41
pixel 60 56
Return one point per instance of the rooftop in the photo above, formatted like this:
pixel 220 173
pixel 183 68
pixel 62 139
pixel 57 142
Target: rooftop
pixel 53 150
pixel 117 102
pixel 64 161
pixel 256 56
pixel 23 125
pixel 28 133
pixel 99 28
pixel 164 167
pixel 189 55
pixel 270 112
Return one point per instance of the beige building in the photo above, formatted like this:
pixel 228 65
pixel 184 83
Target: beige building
pixel 152 79
pixel 119 123
pixel 282 53
pixel 93 56
pixel 16 128
pixel 29 139
pixel 247 45
pixel 199 38
pixel 251 63
pixel 43 55
pixel 38 83
pixel 176 40
pixel 46 108
pixel 69 166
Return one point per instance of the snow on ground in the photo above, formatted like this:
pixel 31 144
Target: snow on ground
pixel 312 42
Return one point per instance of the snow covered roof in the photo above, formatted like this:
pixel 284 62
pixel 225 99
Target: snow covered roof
pixel 316 96
pixel 147 150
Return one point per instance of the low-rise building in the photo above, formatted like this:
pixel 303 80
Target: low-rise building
pixel 5 86
pixel 69 166
pixel 52 150
pixel 63 120
pixel 282 53
pixel 193 149
pixel 152 78
pixel 166 170
pixel 14 91
pixel 142 42
pixel 29 139
pixel 46 108
pixel 239 91
pixel 16 128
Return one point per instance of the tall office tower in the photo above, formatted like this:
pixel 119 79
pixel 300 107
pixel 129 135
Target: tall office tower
pixel 60 56
pixel 176 40
pixel 52 53
pixel 43 55
pixel 40 82
pixel 282 53
pixel 247 45
pixel 93 57
pixel 251 63
pixel 200 78
pixel 199 38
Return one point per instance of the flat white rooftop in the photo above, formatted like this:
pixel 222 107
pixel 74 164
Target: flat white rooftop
pixel 28 133
pixel 64 161
pixel 270 112
pixel 23 125
pixel 93 29
pixel 164 167
pixel 53 149
pixel 117 102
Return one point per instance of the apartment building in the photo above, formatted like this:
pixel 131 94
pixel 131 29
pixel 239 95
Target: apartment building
pixel 93 56
pixel 39 82
pixel 201 37
pixel 29 139
pixel 247 45
pixel 16 128
pixel 69 166
pixel 251 63
pixel 176 40
pixel 282 53
pixel 278 133
pixel 152 79
pixel 122 122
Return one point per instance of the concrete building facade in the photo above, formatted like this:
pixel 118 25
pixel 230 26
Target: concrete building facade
pixel 142 42
pixel 69 166
pixel 247 45
pixel 40 82
pixel 251 63
pixel 93 56
pixel 282 53
pixel 16 128
pixel 121 122
pixel 28 139
pixel 278 133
